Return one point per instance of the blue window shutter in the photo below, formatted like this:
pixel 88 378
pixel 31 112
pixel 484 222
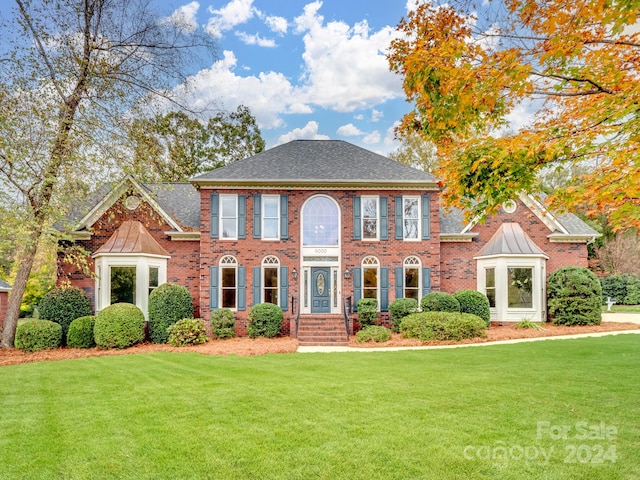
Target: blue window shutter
pixel 214 222
pixel 257 216
pixel 384 289
pixel 426 280
pixel 398 219
pixel 399 274
pixel 257 285
pixel 284 288
pixel 284 217
pixel 213 288
pixel 242 216
pixel 357 287
pixel 384 218
pixel 357 219
pixel 242 288
pixel 426 215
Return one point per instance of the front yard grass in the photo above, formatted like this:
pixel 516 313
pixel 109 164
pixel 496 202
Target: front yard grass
pixel 483 413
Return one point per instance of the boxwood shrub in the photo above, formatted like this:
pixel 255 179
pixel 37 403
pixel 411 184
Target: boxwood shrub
pixel 367 311
pixel 472 301
pixel 400 308
pixel 63 305
pixel 373 333
pixel 188 331
pixel 168 303
pixel 223 323
pixel 574 297
pixel 80 334
pixel 442 326
pixel 264 320
pixel 439 302
pixel 34 335
pixel 120 325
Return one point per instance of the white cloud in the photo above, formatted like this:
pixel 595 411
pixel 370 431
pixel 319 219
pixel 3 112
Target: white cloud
pixel 236 12
pixel 308 132
pixel 185 17
pixel 349 130
pixel 256 40
pixel 376 115
pixel 277 24
pixel 373 137
pixel 390 134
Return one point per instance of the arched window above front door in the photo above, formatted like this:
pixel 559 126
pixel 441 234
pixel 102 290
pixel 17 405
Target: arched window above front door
pixel 320 223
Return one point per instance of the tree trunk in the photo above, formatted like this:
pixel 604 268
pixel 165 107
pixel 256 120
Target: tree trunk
pixel 15 297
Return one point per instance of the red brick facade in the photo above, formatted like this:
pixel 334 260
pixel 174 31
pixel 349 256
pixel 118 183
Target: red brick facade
pixel 4 299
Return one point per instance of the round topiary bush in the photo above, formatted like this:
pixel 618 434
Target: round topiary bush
pixel 367 311
pixel 574 297
pixel 188 331
pixel 400 308
pixel 34 335
pixel 63 305
pixel 477 303
pixel 373 333
pixel 168 303
pixel 119 326
pixel 223 323
pixel 455 326
pixel 264 320
pixel 439 302
pixel 80 334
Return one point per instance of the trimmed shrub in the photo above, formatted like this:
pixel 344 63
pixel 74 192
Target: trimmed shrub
pixel 264 320
pixel 439 302
pixel 400 308
pixel 64 305
pixel 188 331
pixel 616 287
pixel 80 334
pixel 477 303
pixel 168 303
pixel 442 326
pixel 633 291
pixel 223 323
pixel 373 333
pixel 120 325
pixel 575 297
pixel 34 335
pixel 367 311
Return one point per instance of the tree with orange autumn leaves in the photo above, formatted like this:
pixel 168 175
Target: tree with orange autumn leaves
pixel 467 66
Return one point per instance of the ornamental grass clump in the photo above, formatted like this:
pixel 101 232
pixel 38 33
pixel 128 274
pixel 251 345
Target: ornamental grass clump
pixel 168 303
pixel 120 325
pixel 264 320
pixel 80 334
pixel 35 335
pixel 63 305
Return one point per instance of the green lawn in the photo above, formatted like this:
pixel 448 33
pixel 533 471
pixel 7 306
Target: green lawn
pixel 623 308
pixel 436 414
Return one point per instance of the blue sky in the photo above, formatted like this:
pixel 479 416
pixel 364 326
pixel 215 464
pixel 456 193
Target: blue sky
pixel 306 69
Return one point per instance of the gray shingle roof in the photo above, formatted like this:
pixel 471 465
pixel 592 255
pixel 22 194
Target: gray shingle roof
pixel 4 286
pixel 180 200
pixel 317 161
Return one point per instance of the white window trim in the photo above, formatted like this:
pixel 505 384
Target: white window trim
pixel 264 217
pixel 377 218
pixel 222 217
pixel 227 261
pixel 270 261
pixel 368 262
pixel 418 219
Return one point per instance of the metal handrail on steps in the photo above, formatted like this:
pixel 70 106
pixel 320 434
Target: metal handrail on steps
pixel 346 310
pixel 293 303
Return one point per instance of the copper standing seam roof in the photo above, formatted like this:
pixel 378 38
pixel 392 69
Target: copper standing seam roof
pixel 510 239
pixel 132 237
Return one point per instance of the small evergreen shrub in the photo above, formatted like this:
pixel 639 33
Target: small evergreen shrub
pixel 373 333
pixel 633 291
pixel 367 311
pixel 400 308
pixel 120 325
pixel 34 335
pixel 63 305
pixel 264 320
pixel 616 287
pixel 80 334
pixel 223 323
pixel 439 302
pixel 168 303
pixel 472 301
pixel 442 326
pixel 574 297
pixel 188 331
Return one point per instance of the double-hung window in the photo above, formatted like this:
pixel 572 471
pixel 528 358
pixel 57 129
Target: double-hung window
pixel 370 209
pixel 271 217
pixel 370 278
pixel 411 218
pixel 228 282
pixel 270 273
pixel 229 217
pixel 412 278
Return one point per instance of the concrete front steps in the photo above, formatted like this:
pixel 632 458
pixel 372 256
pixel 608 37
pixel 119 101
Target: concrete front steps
pixel 322 330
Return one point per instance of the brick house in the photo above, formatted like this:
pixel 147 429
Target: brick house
pixel 311 225
pixel 5 288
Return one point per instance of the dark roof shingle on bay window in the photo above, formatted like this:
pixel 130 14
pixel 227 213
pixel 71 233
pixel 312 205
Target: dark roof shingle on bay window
pixel 318 162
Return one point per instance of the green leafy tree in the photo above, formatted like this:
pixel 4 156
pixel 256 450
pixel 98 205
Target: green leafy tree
pixel 70 71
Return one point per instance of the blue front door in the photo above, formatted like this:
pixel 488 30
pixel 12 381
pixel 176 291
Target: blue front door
pixel 320 290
